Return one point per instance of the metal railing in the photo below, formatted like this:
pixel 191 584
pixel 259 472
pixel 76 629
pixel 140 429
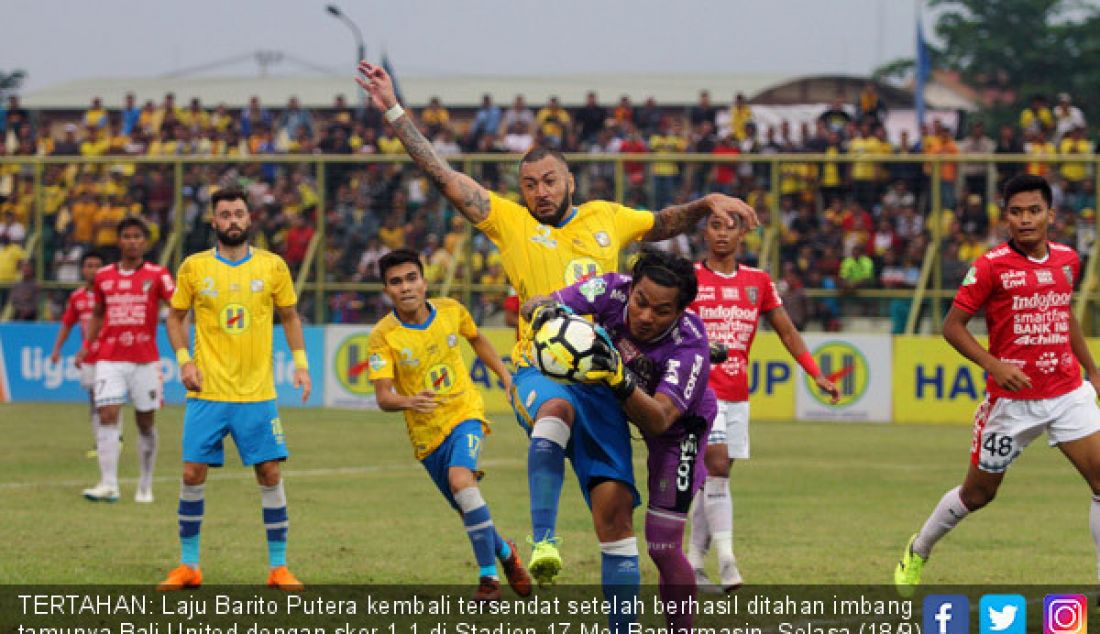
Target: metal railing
pixel 312 276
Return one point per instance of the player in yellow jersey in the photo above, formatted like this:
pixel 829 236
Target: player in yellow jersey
pixel 235 291
pixel 548 245
pixel 416 367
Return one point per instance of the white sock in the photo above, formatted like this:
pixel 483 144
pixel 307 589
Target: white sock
pixel 95 425
pixel 107 449
pixel 946 516
pixel 1094 526
pixel 719 510
pixel 700 532
pixel 147 457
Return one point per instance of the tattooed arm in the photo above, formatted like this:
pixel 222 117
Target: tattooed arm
pixel 677 219
pixel 470 198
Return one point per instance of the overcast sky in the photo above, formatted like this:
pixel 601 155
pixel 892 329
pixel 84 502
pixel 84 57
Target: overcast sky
pixel 57 41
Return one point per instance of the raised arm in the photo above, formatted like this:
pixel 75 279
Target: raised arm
pixel 470 198
pixel 677 219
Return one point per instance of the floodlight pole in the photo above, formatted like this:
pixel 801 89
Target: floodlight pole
pixel 361 47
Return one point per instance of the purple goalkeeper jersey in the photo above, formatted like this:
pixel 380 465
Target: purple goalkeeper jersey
pixel 676 364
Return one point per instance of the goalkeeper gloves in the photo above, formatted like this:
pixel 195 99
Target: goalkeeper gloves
pixel 545 312
pixel 608 368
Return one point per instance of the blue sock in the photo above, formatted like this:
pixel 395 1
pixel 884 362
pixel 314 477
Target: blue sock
pixel 503 550
pixel 621 579
pixel 545 474
pixel 273 500
pixel 190 512
pixel 479 528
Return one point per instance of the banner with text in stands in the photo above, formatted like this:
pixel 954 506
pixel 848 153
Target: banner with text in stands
pixel 30 376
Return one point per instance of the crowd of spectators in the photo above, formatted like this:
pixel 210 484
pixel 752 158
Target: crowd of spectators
pixel 848 226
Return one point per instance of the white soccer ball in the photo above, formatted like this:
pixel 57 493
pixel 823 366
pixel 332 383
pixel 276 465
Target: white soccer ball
pixel 563 348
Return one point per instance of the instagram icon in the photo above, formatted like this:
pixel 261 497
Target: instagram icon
pixel 1065 614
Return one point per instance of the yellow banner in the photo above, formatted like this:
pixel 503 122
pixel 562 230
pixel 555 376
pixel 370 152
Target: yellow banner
pixel 935 384
pixel 772 373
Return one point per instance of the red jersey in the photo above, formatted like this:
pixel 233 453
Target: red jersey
pixel 1027 313
pixel 132 303
pixel 79 309
pixel 730 307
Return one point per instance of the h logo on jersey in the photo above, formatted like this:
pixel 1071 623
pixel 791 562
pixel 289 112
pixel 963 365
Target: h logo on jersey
pixel 580 270
pixel 440 378
pixel 235 319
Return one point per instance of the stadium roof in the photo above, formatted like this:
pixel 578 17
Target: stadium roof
pixel 453 90
pixel 669 89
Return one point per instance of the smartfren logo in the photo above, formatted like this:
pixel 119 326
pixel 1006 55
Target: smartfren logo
pixel 1002 614
pixel 946 614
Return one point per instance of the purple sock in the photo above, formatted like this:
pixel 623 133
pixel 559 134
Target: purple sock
pixel 664 532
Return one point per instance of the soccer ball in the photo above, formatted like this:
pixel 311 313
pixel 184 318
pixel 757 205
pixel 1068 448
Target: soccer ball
pixel 563 348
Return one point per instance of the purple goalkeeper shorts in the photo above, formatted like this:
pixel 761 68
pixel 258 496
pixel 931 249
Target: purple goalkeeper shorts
pixel 675 463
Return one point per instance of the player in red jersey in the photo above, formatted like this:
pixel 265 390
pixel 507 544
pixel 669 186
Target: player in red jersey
pixel 124 327
pixel 1033 367
pixel 730 301
pixel 78 309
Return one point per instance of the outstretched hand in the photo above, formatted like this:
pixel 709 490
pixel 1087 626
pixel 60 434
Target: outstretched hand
pixel 377 83
pixel 733 210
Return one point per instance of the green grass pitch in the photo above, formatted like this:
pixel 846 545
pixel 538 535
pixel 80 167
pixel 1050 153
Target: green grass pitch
pixel 816 504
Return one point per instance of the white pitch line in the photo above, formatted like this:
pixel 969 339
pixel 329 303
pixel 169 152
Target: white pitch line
pixel 244 474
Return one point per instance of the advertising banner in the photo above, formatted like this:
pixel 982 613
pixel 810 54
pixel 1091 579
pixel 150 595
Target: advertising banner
pixel 31 376
pixel 860 365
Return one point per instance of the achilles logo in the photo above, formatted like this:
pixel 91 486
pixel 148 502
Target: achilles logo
pixel 1041 301
pixel 1041 340
pixel 727 312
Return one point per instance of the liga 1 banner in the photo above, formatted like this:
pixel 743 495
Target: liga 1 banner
pixel 28 375
pixel 347 361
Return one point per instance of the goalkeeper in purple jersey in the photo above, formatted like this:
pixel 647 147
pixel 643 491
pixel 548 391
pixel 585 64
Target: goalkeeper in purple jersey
pixel 656 359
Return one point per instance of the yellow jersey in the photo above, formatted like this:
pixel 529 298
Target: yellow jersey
pixel 426 356
pixel 234 304
pixel 540 259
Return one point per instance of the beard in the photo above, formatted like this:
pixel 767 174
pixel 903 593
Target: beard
pixel 231 240
pixel 563 208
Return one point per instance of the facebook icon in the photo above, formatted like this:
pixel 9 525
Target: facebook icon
pixel 946 614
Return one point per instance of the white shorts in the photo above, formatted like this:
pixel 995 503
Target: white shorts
pixel 87 376
pixel 1003 427
pixel 142 381
pixel 731 428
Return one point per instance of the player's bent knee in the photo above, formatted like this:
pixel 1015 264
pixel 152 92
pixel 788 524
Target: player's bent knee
pixel 460 478
pixel 267 473
pixel 557 408
pixel 974 498
pixel 194 473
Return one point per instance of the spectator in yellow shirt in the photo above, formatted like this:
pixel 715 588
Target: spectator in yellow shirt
pixel 95 142
pixel 554 122
pixel 943 144
pixel 194 117
pixel 435 117
pixel 96 115
pixel 1075 173
pixel 1039 145
pixel 666 174
pixel 1037 117
pixel 740 114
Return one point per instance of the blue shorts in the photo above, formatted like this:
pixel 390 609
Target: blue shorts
pixel 599 446
pixel 255 427
pixel 461 448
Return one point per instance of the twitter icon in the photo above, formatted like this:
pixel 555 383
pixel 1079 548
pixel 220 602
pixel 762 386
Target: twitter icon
pixel 1002 614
